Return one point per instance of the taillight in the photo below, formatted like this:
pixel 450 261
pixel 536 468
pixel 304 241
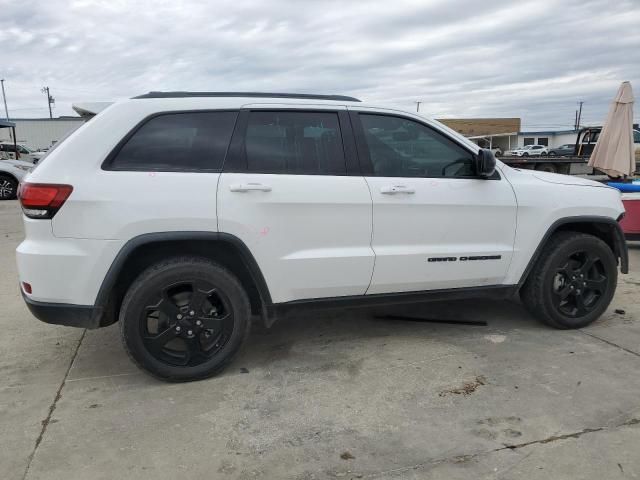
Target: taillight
pixel 43 200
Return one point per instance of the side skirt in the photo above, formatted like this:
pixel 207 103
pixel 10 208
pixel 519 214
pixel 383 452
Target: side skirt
pixel 494 292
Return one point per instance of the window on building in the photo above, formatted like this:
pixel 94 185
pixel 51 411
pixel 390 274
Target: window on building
pixel 403 148
pixel 178 142
pixel 297 143
pixel 543 141
pixel 529 141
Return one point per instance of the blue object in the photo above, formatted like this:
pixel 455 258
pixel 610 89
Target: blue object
pixel 625 187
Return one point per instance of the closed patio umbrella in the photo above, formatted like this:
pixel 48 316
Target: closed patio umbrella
pixel 614 152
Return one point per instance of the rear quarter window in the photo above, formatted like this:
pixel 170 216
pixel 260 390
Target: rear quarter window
pixel 195 141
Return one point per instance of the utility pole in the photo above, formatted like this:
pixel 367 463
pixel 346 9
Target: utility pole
pixel 4 99
pixel 418 106
pixel 50 100
pixel 579 116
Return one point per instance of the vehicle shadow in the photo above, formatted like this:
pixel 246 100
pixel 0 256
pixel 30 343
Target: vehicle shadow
pixel 339 331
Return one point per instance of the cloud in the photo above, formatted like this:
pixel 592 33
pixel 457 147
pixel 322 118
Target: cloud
pixel 532 59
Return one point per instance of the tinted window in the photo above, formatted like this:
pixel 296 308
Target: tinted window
pixel 178 141
pixel 636 136
pixel 303 143
pixel 403 148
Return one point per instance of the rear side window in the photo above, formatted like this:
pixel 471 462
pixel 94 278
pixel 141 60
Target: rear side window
pixel 178 142
pixel 297 143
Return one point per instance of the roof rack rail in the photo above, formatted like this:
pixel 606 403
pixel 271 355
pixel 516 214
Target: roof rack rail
pixel 306 96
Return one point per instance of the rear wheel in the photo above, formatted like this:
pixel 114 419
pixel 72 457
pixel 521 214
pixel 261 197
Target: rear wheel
pixel 184 319
pixel 573 281
pixel 8 187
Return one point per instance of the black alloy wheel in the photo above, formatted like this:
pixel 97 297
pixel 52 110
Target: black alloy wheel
pixel 579 284
pixel 184 318
pixel 573 281
pixel 186 323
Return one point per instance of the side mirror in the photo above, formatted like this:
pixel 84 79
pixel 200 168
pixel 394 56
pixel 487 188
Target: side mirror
pixel 485 163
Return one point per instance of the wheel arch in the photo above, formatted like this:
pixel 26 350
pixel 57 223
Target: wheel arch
pixel 142 251
pixel 605 228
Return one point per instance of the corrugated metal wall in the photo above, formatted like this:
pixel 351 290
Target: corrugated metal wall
pixel 41 132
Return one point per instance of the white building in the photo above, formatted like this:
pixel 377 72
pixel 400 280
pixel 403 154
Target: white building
pixel 548 138
pixel 38 133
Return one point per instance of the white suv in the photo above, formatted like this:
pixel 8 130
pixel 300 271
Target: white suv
pixel 182 214
pixel 530 150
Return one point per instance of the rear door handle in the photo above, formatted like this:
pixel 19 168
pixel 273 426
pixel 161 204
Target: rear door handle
pixel 392 190
pixel 248 187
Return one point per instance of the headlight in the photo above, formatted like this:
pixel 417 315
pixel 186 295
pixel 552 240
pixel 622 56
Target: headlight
pixel 24 168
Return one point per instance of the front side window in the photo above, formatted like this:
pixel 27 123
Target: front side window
pixel 178 142
pixel 295 143
pixel 399 147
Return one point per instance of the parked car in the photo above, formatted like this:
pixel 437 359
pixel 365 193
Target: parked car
pixel 533 151
pixel 513 151
pixel 12 172
pixel 566 150
pixel 200 209
pixel 8 151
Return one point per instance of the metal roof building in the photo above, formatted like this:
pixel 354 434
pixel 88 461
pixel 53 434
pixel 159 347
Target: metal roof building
pixel 38 133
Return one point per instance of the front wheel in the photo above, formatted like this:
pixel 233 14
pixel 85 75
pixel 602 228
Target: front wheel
pixel 8 187
pixel 573 281
pixel 184 319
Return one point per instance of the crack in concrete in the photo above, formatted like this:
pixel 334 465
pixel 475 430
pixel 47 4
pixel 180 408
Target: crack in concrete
pixel 555 438
pixel 466 457
pixel 52 407
pixel 610 343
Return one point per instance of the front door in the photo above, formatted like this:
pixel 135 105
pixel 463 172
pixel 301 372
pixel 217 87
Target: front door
pixel 436 225
pixel 286 192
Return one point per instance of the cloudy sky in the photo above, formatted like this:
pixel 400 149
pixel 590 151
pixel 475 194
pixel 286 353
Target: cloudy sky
pixel 462 58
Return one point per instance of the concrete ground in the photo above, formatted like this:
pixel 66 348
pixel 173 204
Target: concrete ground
pixel 338 395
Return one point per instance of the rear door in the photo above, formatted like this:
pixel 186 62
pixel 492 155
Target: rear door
pixel 436 224
pixel 291 191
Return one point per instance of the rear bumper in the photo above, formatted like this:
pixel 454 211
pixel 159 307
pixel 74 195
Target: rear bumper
pixel 81 316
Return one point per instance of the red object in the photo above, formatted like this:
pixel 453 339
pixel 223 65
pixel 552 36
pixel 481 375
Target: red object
pixel 631 222
pixel 43 200
pixel 26 287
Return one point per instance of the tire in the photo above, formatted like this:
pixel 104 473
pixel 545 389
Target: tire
pixel 184 319
pixel 525 154
pixel 547 167
pixel 8 187
pixel 554 291
pixel 553 154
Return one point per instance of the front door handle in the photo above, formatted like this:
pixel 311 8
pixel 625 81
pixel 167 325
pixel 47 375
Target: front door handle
pixel 247 187
pixel 392 190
